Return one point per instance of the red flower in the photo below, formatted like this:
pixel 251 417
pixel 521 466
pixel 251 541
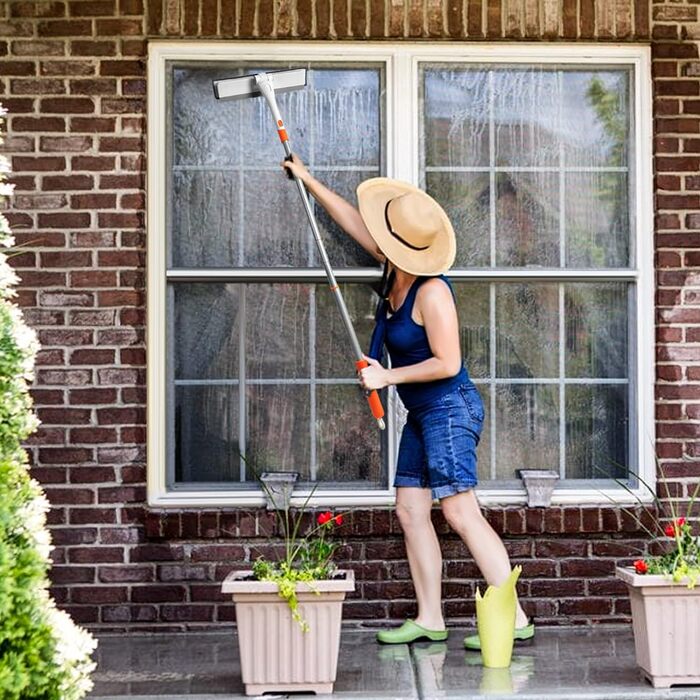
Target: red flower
pixel 640 566
pixel 670 530
pixel 338 519
pixel 323 518
pixel 680 522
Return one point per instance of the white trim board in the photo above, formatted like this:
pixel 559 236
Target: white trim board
pixel 401 60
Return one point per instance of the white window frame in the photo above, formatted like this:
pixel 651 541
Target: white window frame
pixel 402 118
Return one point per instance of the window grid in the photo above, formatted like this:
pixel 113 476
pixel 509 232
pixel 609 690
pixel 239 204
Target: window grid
pixel 277 275
pixel 561 169
pixel 158 488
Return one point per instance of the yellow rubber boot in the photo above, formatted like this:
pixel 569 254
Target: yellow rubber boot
pixel 495 621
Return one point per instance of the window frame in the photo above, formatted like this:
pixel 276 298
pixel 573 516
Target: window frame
pixel 402 75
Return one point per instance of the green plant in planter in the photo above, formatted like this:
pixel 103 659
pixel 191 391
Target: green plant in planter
pixel 43 654
pixel 680 560
pixel 307 558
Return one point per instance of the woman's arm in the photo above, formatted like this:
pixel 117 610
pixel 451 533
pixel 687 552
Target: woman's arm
pixel 436 306
pixel 339 209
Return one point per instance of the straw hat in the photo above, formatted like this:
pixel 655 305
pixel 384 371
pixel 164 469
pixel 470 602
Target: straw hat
pixel 408 225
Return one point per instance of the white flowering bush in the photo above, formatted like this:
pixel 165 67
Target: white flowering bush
pixel 44 655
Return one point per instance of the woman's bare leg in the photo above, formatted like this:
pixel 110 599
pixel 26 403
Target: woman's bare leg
pixel 464 516
pixel 413 506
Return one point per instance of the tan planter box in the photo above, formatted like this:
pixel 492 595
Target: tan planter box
pixel 666 623
pixel 276 655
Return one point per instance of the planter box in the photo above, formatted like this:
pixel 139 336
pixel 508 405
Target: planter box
pixel 666 623
pixel 276 655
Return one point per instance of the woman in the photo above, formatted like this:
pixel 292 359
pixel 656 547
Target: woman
pixel 404 228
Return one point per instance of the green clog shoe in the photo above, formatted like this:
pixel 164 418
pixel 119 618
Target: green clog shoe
pixel 410 632
pixel 520 634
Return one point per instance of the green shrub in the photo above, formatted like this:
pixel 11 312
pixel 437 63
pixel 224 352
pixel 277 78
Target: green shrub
pixel 43 654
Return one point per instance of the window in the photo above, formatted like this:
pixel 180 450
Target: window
pixel 540 155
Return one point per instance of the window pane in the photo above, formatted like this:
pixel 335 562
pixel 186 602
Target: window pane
pixel 205 434
pixel 347 105
pixel 231 205
pixel 273 226
pixel 465 198
pixel 206 218
pixel 595 117
pixel 588 373
pixel 596 330
pixel 597 443
pixel 277 331
pixel 530 162
pixel 206 331
pixel 342 250
pixel 202 128
pixel 526 110
pixel 455 104
pixel 527 330
pixel 334 355
pixel 527 219
pixel 597 220
pixel 527 434
pixel 473 307
pixel 348 446
pixel 285 374
pixel 277 436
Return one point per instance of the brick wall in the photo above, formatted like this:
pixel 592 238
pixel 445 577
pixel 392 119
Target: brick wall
pixel 72 76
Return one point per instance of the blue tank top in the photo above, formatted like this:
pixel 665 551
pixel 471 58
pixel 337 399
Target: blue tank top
pixel 407 343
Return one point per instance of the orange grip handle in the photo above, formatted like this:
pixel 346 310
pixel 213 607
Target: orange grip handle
pixel 375 403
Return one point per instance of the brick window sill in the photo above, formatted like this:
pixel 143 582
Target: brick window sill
pixel 233 524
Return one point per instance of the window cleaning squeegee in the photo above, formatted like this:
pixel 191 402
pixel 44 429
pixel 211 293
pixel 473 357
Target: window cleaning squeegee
pixel 266 84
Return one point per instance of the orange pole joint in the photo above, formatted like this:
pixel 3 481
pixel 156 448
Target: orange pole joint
pixel 373 399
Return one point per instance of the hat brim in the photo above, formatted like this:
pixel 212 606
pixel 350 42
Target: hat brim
pixel 372 197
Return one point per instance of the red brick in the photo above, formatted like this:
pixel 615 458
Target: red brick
pixel 92 8
pixel 93 86
pixel 89 516
pixel 118 27
pixel 661 49
pixel 675 13
pixel 678 163
pixel 12 68
pixel 65 27
pixel 68 455
pixel 72 574
pixel 37 48
pixel 40 164
pixel 93 48
pixel 677 87
pixel 122 494
pixel 37 9
pixel 98 594
pixel 157 594
pixel 91 279
pixel 93 201
pixel 92 163
pixel 39 124
pixel 96 555
pixel 67 105
pixel 67 182
pixel 187 613
pixel 125 574
pixel 585 606
pixel 73 535
pixel 67 68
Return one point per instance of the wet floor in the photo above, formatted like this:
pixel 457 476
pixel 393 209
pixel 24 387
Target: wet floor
pixel 570 663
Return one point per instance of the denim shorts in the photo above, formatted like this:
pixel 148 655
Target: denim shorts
pixel 438 443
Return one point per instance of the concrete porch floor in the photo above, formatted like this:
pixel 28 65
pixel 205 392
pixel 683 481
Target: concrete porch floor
pixel 571 663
